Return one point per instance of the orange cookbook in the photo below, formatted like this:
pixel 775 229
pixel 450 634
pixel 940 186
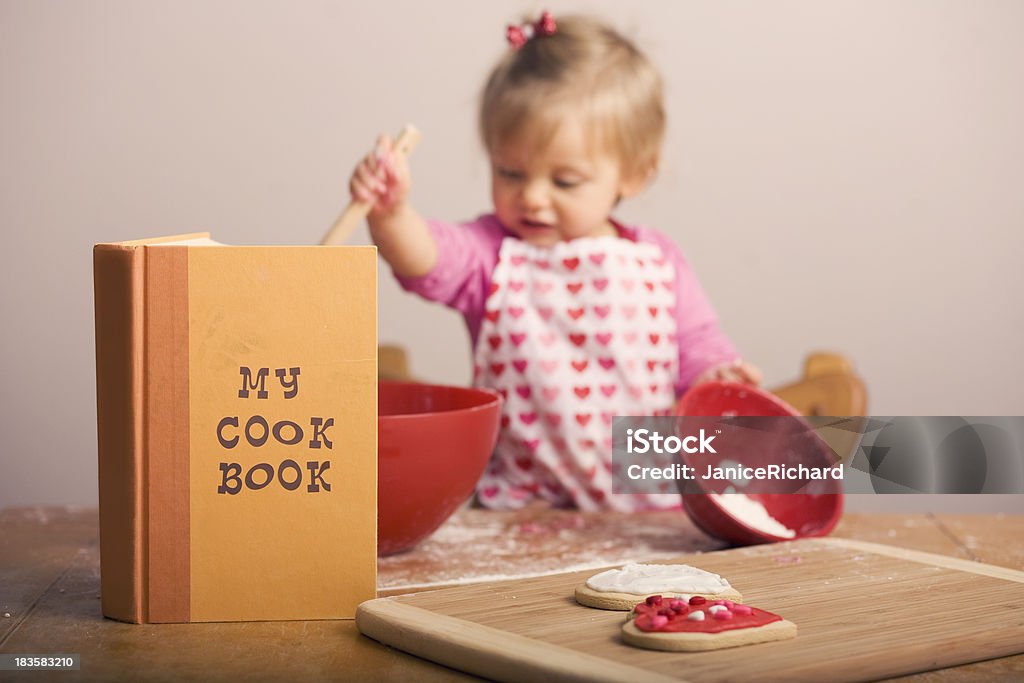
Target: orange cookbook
pixel 237 431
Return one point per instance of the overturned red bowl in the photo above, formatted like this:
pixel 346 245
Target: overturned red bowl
pixel 805 514
pixel 433 443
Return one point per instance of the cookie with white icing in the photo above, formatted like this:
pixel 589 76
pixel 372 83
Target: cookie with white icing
pixel 622 589
pixel 698 624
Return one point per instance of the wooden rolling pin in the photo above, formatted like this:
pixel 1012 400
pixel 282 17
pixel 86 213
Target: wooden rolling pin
pixel 355 212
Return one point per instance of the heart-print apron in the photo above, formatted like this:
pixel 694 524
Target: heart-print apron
pixel 573 335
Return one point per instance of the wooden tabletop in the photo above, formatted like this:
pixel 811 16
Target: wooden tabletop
pixel 49 591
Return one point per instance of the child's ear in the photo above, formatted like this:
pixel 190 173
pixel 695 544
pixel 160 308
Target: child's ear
pixel 635 183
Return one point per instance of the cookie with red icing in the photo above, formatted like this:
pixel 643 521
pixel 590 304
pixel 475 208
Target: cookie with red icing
pixel 623 588
pixel 663 623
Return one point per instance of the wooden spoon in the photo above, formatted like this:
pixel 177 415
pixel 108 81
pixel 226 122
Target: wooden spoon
pixel 355 213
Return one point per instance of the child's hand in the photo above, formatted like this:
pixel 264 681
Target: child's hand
pixel 381 179
pixel 736 371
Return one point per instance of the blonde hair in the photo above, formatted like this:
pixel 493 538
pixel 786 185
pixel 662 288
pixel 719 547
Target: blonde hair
pixel 585 66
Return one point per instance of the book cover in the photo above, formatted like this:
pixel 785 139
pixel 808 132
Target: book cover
pixel 236 411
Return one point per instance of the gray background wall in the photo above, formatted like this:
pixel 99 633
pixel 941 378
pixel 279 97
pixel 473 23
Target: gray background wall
pixel 843 175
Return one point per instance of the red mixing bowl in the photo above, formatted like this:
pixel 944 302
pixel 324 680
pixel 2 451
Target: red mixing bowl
pixel 433 443
pixel 806 514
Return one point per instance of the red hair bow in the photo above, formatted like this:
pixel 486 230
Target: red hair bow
pixel 545 26
pixel 518 35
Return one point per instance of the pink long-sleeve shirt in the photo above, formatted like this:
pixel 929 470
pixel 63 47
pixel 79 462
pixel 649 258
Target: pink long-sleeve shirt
pixel 467 254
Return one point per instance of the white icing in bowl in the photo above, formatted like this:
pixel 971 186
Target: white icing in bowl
pixel 752 513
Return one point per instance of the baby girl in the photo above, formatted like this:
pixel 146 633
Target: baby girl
pixel 574 316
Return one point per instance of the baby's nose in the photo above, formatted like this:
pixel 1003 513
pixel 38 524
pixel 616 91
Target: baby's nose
pixel 534 194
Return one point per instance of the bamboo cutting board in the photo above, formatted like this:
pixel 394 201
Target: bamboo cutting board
pixel 864 611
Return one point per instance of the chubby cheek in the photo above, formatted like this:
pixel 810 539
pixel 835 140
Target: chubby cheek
pixel 503 203
pixel 583 219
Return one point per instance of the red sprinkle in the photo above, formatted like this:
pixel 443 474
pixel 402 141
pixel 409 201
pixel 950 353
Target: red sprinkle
pixel 698 600
pixel 653 600
pixel 742 610
pixel 723 614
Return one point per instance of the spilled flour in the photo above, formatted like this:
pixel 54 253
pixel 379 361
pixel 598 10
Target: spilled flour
pixel 477 546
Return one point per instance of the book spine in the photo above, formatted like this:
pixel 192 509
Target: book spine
pixel 119 288
pixel 165 390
